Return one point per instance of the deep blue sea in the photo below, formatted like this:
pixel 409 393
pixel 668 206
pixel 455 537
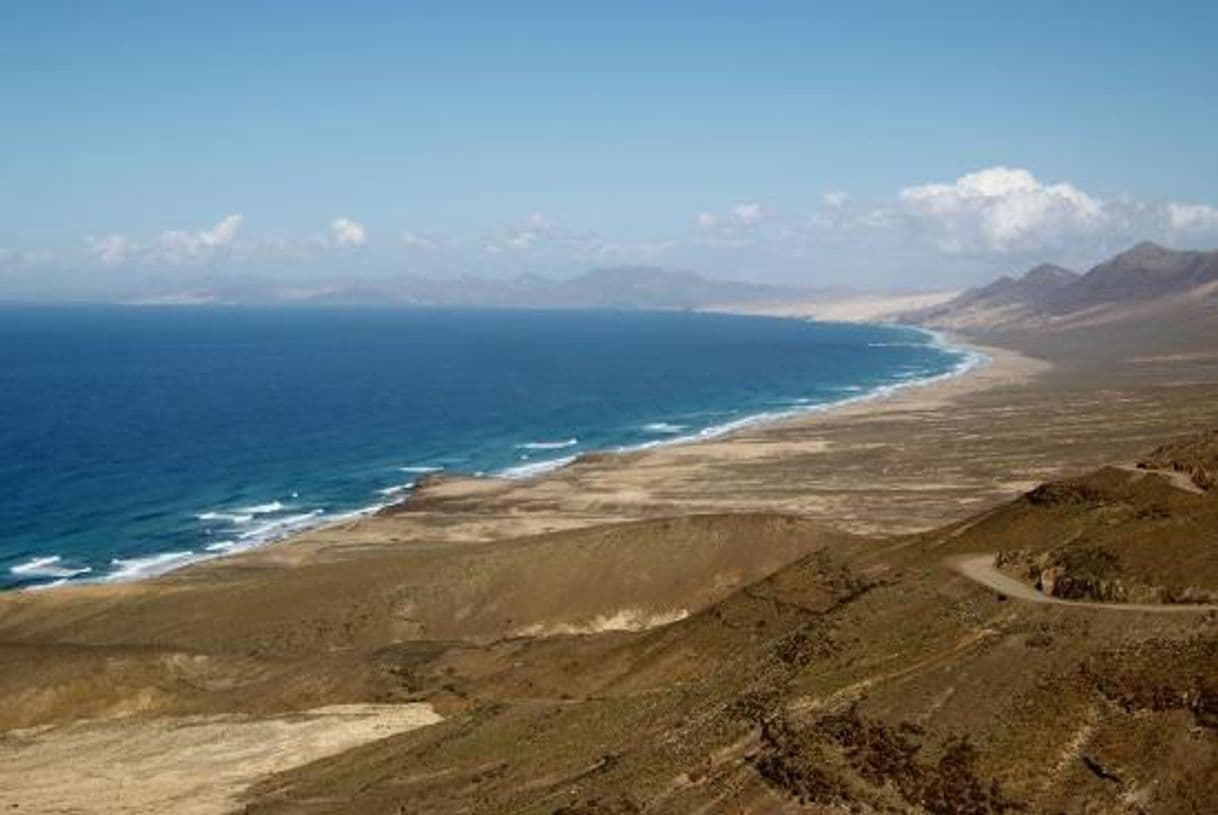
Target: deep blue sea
pixel 133 440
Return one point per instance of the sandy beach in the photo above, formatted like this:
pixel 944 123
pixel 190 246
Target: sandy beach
pixel 844 307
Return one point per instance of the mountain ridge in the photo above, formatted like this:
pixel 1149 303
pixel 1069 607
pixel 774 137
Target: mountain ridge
pixel 1147 275
pixel 630 287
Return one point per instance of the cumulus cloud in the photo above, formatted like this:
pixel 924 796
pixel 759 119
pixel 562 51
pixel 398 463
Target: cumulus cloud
pixel 180 244
pixel 747 213
pixel 834 199
pixel 347 233
pixel 737 216
pixel 1192 217
pixel 1001 209
pixel 110 250
pixel 994 220
pixel 417 241
pixel 523 236
pixel 171 246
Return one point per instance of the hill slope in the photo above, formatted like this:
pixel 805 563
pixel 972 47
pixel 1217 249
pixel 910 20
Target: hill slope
pixel 859 680
pixel 1144 277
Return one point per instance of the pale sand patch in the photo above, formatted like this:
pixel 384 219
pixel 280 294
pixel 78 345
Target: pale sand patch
pixel 194 765
pixel 1192 356
pixel 628 619
pixel 863 307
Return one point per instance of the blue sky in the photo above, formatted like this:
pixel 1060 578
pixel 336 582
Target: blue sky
pixel 911 145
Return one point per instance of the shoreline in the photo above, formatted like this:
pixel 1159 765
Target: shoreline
pixel 974 363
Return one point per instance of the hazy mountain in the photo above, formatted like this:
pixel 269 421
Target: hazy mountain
pixel 1006 290
pixel 1146 275
pixel 1145 272
pixel 630 287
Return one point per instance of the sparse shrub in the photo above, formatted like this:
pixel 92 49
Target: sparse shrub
pixel 1065 493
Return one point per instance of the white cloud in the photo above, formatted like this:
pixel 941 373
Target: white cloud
pixel 520 237
pixel 1192 217
pixel 417 241
pixel 522 240
pixel 346 232
pixel 1000 209
pixel 180 245
pixel 834 199
pixel 747 213
pixel 171 246
pixel 738 216
pixel 991 221
pixel 111 250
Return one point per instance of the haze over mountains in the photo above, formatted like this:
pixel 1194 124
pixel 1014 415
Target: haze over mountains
pixel 1144 279
pixel 630 287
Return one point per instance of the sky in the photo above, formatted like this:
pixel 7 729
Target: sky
pixel 906 145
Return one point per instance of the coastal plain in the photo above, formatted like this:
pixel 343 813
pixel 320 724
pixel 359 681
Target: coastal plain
pixel 770 621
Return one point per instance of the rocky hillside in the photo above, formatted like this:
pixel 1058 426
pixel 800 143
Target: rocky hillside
pixel 1120 535
pixel 854 680
pixel 1146 275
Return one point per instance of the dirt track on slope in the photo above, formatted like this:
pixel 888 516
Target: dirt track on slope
pixel 981 569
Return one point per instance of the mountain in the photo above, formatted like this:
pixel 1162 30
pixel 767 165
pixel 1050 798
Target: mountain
pixel 627 287
pixel 651 287
pixel 1147 275
pixel 1145 272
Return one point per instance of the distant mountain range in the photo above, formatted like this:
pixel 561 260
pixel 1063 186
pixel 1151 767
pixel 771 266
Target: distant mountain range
pixel 1148 276
pixel 627 287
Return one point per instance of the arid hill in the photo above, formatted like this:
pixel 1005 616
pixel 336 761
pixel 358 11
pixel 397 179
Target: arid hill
pixel 1049 296
pixel 865 678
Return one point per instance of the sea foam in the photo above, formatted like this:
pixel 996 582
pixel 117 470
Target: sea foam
pixel 665 428
pixel 138 568
pixel 281 526
pixel 536 468
pixel 47 566
pixel 548 445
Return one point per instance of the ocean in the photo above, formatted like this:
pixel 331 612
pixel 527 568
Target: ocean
pixel 136 440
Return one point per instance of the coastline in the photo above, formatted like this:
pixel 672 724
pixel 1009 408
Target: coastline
pixel 552 605
pixel 982 368
pixel 974 359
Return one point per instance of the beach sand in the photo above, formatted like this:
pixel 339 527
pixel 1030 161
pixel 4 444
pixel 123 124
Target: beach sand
pixel 852 307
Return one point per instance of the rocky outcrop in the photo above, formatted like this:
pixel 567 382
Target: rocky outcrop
pixel 1196 456
pixel 1091 574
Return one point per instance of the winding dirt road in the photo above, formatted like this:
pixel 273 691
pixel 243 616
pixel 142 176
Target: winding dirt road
pixel 981 569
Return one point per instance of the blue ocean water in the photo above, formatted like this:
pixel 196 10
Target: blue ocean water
pixel 134 440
